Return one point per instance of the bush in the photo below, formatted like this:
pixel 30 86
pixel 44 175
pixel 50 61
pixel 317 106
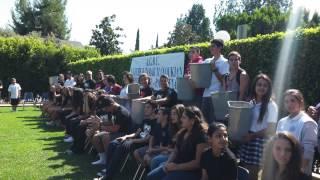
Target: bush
pixel 258 54
pixel 32 60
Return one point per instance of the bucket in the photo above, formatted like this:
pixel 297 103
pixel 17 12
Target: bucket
pixel 185 89
pixel 220 102
pixel 137 111
pixel 123 102
pixel 201 74
pixel 53 80
pixel 239 119
pixel 133 91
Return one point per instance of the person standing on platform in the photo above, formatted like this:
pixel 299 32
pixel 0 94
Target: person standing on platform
pixel 219 67
pixel 14 93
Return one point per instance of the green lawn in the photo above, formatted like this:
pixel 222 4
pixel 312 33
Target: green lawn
pixel 31 150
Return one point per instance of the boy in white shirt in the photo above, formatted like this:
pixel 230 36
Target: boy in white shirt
pixel 220 67
pixel 14 90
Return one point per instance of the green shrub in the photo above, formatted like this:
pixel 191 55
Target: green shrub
pixel 32 60
pixel 258 54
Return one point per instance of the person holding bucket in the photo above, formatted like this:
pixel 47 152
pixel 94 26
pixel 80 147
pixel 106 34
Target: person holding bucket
pixel 220 67
pixel 194 57
pixel 237 79
pixel 263 123
pixel 301 126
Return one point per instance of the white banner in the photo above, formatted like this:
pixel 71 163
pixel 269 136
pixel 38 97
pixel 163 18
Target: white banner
pixel 157 65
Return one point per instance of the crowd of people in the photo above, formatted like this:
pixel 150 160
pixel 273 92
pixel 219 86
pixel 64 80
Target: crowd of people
pixel 176 141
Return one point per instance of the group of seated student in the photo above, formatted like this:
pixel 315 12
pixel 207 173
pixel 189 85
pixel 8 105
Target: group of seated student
pixel 176 141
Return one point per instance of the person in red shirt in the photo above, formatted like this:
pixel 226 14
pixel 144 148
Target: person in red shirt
pixel 114 88
pixel 194 57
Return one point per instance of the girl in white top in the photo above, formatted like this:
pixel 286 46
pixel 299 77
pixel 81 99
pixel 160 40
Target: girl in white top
pixel 127 79
pixel 264 119
pixel 300 125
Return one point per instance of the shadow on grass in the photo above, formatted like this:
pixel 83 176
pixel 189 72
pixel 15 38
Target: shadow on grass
pixel 80 163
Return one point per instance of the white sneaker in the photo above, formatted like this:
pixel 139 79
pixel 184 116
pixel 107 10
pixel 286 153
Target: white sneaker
pixel 100 174
pixel 99 162
pixel 50 123
pixel 68 140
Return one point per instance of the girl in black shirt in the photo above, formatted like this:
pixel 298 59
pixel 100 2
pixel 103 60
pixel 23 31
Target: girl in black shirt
pixel 184 162
pixel 218 162
pixel 145 81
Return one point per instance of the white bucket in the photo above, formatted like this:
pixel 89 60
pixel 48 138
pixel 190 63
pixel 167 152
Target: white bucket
pixel 133 91
pixel 220 102
pixel 239 119
pixel 53 80
pixel 185 89
pixel 137 111
pixel 201 74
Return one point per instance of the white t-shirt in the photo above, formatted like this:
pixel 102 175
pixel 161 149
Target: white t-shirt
pixel 294 125
pixel 124 92
pixel 270 116
pixel 223 68
pixel 14 90
pixel 69 83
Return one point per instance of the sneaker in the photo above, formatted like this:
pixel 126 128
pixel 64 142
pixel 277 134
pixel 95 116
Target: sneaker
pixel 68 139
pixel 101 174
pixel 50 123
pixel 69 152
pixel 99 162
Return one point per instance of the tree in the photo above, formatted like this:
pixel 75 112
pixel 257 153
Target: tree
pixel 137 46
pixel 157 41
pixel 44 16
pixel 192 28
pixel 250 5
pixel 182 34
pixel 23 17
pixel 6 32
pixel 226 7
pixel 199 22
pixel 51 18
pixel 262 21
pixel 106 37
pixel 310 20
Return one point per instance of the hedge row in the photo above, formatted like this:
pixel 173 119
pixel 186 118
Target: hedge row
pixel 259 54
pixel 32 60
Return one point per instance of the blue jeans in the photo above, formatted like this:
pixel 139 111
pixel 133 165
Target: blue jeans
pixel 160 174
pixel 207 109
pixel 156 161
pixel 157 173
pixel 185 175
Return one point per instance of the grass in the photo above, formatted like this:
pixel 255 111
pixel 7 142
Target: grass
pixel 31 150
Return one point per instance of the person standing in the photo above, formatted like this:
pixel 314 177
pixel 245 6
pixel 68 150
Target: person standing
pixel 219 67
pixel 14 93
pixel 1 88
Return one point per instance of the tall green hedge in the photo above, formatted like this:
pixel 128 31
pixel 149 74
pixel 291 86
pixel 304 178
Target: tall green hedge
pixel 259 54
pixel 32 60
